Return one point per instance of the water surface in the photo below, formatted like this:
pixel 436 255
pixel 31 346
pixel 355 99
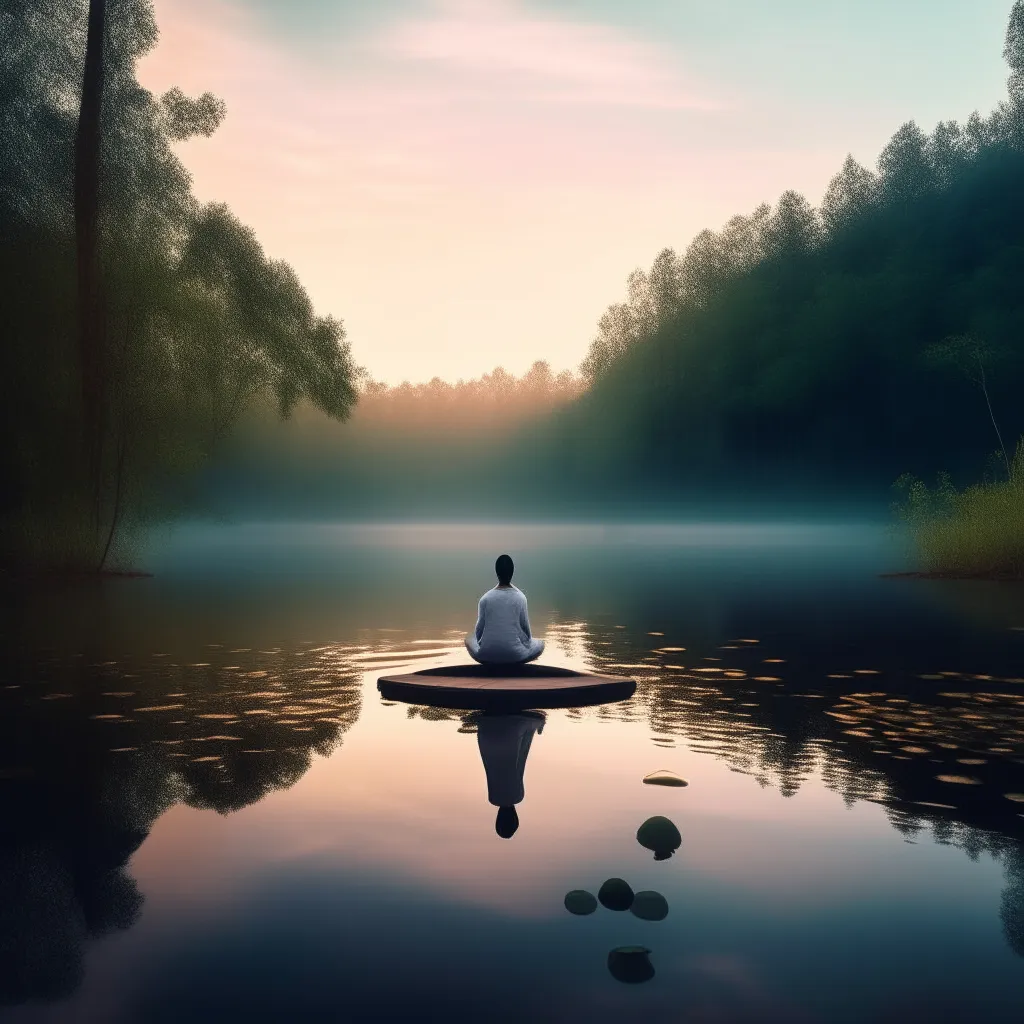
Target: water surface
pixel 209 814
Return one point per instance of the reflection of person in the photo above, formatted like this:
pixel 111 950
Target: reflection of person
pixel 502 635
pixel 504 742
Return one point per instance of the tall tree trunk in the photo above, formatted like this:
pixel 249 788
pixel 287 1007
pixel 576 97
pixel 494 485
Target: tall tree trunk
pixel 90 310
pixel 119 385
pixel 992 417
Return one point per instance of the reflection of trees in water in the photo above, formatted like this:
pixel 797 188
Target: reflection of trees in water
pixel 429 714
pixel 989 605
pixel 60 887
pixel 92 755
pixel 1011 904
pixel 941 751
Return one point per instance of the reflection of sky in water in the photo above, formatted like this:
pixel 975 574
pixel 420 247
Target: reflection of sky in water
pixel 829 870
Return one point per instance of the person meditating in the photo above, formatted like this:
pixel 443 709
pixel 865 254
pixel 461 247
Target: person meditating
pixel 502 635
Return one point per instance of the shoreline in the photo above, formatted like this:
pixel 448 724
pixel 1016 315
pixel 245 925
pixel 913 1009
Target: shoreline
pixel 40 575
pixel 938 574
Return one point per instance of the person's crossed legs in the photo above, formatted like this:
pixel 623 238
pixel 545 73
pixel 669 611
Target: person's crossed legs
pixel 527 652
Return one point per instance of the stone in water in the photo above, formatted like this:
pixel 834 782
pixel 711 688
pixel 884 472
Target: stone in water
pixel 659 835
pixel 630 964
pixel 580 902
pixel 649 906
pixel 616 894
pixel 664 778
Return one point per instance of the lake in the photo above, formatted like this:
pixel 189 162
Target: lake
pixel 210 814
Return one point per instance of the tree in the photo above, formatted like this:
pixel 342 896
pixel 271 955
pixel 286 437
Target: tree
pixel 791 229
pixel 946 150
pixel 903 166
pixel 617 331
pixel 87 186
pixel 971 356
pixel 795 344
pixel 848 196
pixel 1013 53
pixel 140 324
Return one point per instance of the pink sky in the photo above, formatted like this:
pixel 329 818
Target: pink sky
pixel 468 184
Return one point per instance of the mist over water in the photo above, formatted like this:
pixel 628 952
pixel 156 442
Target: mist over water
pixel 209 809
pixel 497 461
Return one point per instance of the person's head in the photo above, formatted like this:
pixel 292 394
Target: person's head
pixel 507 822
pixel 504 569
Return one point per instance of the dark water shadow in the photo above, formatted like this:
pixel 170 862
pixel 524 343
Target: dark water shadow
pixel 91 755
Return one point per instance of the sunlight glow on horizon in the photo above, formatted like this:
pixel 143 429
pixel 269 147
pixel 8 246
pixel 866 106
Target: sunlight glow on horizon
pixel 467 183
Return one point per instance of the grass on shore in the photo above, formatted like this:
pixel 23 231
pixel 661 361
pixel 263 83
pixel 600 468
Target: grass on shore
pixel 978 532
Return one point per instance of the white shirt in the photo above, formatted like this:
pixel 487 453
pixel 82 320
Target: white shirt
pixel 502 623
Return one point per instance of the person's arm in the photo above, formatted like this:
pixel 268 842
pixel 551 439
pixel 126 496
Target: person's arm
pixel 524 619
pixel 480 620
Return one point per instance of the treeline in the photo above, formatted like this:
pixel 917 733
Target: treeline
pixel 139 324
pixel 495 401
pixel 787 356
pixel 793 345
pixel 407 451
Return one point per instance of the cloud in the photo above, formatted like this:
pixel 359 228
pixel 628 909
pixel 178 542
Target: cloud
pixel 460 198
pixel 501 43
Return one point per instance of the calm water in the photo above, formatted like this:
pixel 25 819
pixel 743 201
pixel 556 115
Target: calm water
pixel 207 813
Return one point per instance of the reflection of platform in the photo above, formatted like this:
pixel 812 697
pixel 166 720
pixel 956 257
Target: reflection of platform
pixel 490 687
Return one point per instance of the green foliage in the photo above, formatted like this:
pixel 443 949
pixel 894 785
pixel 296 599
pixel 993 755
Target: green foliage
pixel 962 352
pixel 920 505
pixel 197 323
pixel 1013 51
pixel 185 117
pixel 975 532
pixel 794 344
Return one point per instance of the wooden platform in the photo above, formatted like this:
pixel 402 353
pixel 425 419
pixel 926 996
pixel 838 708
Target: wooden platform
pixel 492 688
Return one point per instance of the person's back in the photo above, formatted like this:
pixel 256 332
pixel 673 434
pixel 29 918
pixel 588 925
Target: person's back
pixel 502 635
pixel 503 615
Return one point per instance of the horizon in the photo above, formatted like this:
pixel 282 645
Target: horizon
pixel 437 172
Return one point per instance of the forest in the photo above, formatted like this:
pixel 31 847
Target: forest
pixel 801 342
pixel 139 323
pixel 159 363
pixel 800 353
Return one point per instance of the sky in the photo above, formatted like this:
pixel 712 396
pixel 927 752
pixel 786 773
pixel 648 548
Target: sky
pixel 468 183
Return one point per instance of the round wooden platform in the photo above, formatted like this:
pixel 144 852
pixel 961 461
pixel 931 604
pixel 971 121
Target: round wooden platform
pixel 500 687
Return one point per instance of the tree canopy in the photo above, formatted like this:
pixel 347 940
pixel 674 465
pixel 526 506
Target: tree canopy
pixel 196 321
pixel 794 340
